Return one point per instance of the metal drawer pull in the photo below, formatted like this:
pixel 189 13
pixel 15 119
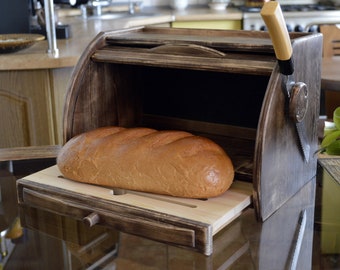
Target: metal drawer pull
pixel 92 219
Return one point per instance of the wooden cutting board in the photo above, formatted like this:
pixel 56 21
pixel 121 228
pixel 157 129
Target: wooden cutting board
pixel 190 223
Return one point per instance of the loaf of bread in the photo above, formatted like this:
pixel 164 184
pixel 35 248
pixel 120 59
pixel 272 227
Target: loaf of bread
pixel 174 163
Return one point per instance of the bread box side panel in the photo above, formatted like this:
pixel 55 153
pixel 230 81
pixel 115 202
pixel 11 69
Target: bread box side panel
pixel 279 166
pixel 91 100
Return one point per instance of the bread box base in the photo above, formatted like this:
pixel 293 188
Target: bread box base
pixel 187 223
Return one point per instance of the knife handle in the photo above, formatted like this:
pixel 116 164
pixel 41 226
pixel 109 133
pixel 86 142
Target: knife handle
pixel 272 16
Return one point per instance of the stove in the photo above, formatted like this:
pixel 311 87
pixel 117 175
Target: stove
pixel 299 18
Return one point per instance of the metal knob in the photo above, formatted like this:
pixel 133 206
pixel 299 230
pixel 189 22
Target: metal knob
pixel 298 102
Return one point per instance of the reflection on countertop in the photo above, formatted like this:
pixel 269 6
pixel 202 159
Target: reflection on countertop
pixel 58 242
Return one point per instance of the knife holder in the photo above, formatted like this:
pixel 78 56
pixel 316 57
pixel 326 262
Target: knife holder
pixel 224 85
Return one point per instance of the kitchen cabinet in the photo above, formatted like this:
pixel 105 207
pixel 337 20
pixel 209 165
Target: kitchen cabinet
pixel 209 24
pixel 31 106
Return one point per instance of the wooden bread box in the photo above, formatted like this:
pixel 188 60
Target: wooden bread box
pixel 224 85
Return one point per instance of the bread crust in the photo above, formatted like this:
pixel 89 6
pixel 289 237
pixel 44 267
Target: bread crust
pixel 174 163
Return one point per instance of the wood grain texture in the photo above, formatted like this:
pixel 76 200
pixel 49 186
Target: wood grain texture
pixel 279 168
pixel 25 108
pixel 29 152
pixel 186 222
pixel 60 78
pixel 126 75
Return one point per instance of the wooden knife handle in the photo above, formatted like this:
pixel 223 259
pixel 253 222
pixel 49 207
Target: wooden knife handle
pixel 272 16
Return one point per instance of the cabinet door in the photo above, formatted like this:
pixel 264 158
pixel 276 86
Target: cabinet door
pixel 25 108
pixel 224 25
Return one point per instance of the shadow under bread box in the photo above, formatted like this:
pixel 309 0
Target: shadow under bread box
pixel 224 85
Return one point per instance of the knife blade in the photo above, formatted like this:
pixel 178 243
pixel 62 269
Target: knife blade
pixel 295 92
pixel 297 241
pixel 298 107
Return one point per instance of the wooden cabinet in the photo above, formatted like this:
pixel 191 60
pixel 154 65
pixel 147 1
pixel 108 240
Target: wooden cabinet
pixel 209 24
pixel 31 104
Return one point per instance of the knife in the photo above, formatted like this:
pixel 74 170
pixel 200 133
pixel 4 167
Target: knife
pixel 296 92
pixel 297 241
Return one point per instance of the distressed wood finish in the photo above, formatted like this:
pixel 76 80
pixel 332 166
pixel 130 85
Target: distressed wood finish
pixel 188 223
pixel 279 168
pixel 224 85
pixel 29 152
pixel 114 75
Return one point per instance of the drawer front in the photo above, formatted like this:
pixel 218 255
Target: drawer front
pixel 195 238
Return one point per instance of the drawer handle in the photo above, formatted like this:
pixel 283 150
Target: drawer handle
pixel 92 219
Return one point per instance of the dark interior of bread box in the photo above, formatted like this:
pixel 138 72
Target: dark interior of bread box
pixel 222 106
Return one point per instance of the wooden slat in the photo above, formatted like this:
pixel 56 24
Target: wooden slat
pixel 199 126
pixel 230 40
pixel 246 66
pixel 29 152
pixel 235 43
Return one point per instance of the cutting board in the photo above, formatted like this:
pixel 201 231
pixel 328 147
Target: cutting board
pixel 188 223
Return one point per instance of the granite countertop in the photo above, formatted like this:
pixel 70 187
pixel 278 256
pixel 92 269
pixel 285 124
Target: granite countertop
pixel 84 30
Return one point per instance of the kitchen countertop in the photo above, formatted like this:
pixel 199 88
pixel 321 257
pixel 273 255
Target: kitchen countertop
pixel 56 242
pixel 70 50
pixel 84 30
